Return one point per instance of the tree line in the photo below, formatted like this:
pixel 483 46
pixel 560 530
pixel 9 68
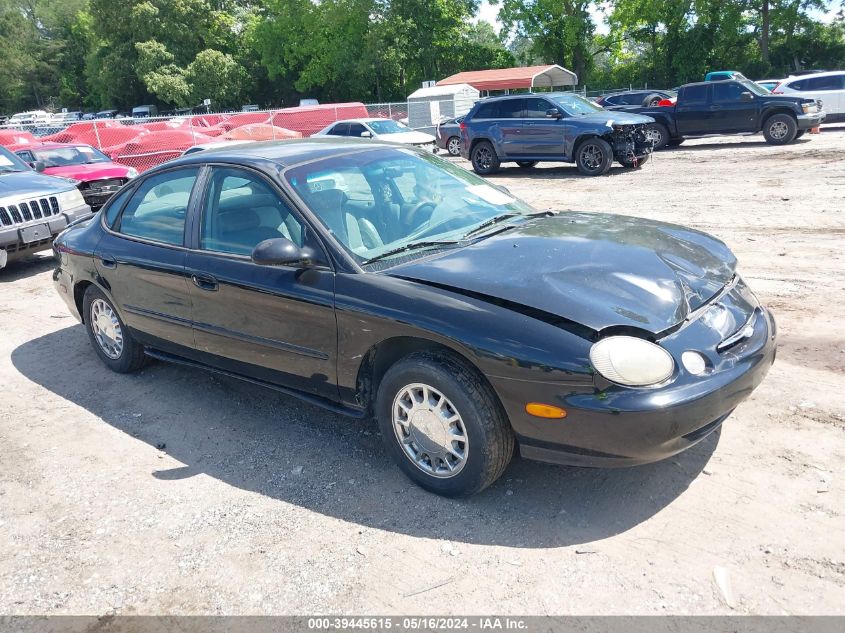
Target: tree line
pixel 96 54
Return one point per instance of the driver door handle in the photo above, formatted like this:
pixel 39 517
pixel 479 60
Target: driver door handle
pixel 204 282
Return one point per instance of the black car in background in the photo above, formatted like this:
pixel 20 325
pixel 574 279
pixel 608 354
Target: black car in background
pixel 448 135
pixel 377 280
pixel 638 98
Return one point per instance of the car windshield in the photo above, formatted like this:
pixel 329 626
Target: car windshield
pixel 378 201
pixel 9 162
pixel 64 156
pixel 387 126
pixel 754 88
pixel 574 105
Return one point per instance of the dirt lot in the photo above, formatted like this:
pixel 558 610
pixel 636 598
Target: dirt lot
pixel 180 492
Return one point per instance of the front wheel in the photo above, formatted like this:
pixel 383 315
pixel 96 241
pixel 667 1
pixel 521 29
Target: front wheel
pixel 799 134
pixel 484 159
pixel 594 157
pixel 636 163
pixel 453 146
pixel 108 335
pixel 527 164
pixel 780 129
pixel 443 425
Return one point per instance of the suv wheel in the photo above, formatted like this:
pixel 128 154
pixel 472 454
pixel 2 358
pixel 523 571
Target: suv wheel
pixel 594 157
pixel 780 129
pixel 109 336
pixel 484 159
pixel 659 135
pixel 443 425
pixel 453 145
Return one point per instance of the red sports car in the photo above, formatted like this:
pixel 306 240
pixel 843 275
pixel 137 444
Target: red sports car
pixel 94 173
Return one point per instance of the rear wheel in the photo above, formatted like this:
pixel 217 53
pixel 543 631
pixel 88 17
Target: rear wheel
pixel 659 135
pixel 443 425
pixel 108 335
pixel 527 164
pixel 780 129
pixel 652 100
pixel 484 159
pixel 594 157
pixel 453 146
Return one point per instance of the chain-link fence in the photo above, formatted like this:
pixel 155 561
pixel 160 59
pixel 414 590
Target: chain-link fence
pixel 142 143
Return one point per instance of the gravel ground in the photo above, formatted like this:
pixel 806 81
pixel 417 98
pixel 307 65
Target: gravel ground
pixel 173 491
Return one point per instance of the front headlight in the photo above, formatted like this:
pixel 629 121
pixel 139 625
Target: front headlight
pixel 631 361
pixel 131 173
pixel 809 107
pixel 69 199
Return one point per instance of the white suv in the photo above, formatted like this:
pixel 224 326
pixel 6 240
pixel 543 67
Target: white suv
pixel 829 87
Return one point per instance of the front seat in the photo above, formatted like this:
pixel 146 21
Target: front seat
pixel 240 231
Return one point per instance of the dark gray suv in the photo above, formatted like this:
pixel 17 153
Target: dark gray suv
pixel 528 128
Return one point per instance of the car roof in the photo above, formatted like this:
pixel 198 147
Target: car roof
pixel 281 153
pixel 827 73
pixel 58 145
pixel 362 120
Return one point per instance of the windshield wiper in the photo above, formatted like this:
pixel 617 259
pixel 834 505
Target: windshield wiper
pixel 504 216
pixel 411 247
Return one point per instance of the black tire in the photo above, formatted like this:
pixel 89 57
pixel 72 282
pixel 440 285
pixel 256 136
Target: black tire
pixel 131 356
pixel 780 129
pixel 652 100
pixel 594 157
pixel 642 160
pixel 799 134
pixel 527 164
pixel 674 142
pixel 484 159
pixel 453 146
pixel 490 440
pixel 660 134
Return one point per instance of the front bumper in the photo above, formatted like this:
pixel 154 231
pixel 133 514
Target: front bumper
pixel 620 426
pixel 808 121
pixel 22 240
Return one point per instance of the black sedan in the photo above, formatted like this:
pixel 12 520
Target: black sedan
pixel 638 98
pixel 448 135
pixel 377 280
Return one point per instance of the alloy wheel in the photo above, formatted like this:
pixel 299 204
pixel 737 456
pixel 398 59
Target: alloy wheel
pixel 106 328
pixel 484 158
pixel 592 156
pixel 430 430
pixel 454 146
pixel 778 130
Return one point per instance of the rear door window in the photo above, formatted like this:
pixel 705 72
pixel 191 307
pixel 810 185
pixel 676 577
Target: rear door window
pixel 159 206
pixel 694 95
pixel 831 82
pixel 509 109
pixel 341 129
pixel 486 111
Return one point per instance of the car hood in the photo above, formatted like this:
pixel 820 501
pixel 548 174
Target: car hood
pixel 407 138
pixel 616 117
pixel 85 173
pixel 30 183
pixel 596 270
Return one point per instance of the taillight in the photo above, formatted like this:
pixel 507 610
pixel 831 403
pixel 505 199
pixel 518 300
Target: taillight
pixel 776 91
pixel 463 125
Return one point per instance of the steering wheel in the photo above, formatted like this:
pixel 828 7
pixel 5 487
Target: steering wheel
pixel 414 211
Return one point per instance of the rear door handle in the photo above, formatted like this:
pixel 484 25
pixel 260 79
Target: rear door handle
pixel 108 261
pixel 204 282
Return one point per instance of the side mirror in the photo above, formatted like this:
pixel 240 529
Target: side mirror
pixel 553 113
pixel 280 251
pixel 39 166
pixel 366 134
pixel 746 96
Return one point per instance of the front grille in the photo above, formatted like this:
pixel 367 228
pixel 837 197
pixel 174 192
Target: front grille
pixel 29 210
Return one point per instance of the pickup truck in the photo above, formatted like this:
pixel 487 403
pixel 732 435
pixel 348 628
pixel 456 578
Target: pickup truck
pixel 731 107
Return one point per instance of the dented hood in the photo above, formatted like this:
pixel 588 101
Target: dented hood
pixel 597 270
